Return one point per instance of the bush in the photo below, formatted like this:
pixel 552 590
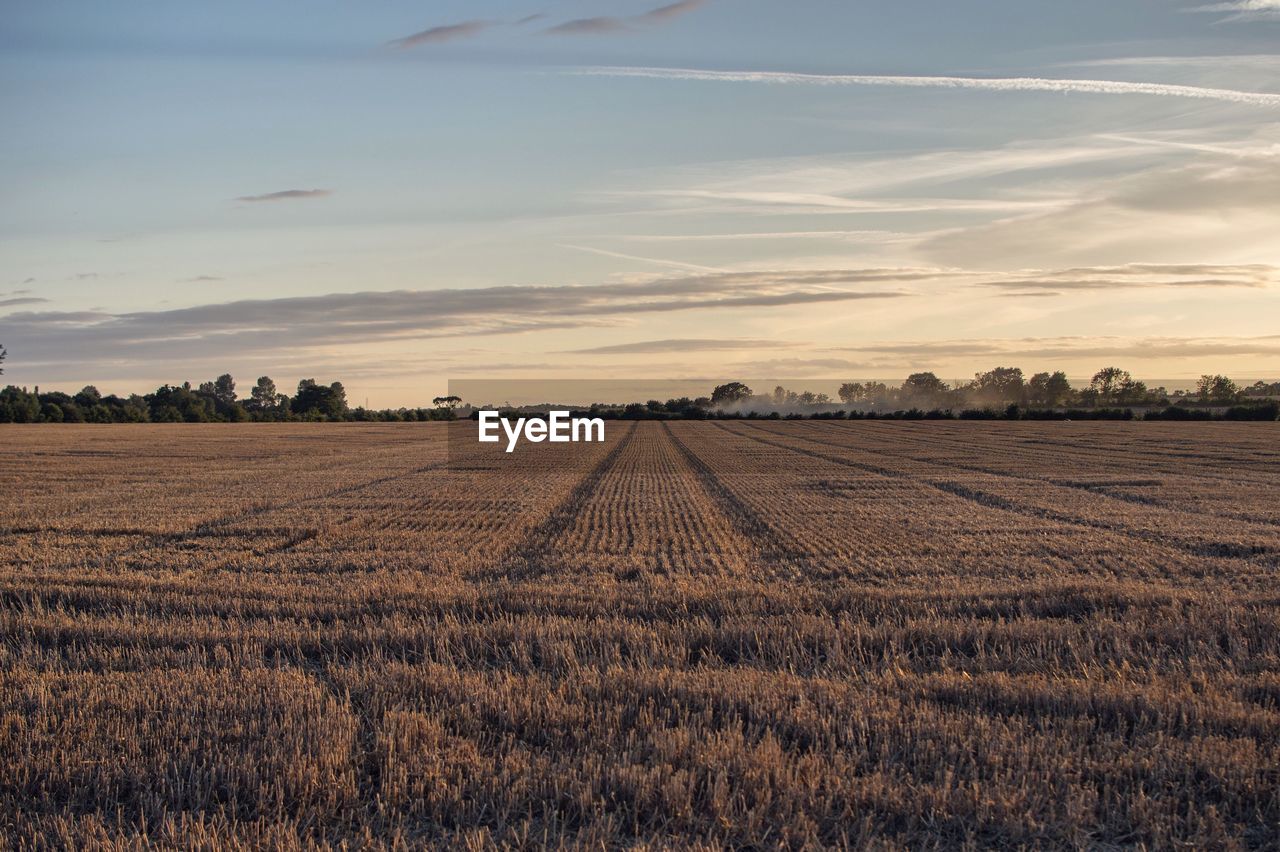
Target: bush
pixel 1177 412
pixel 1267 411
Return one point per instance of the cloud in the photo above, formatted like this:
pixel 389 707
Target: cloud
pixel 1016 178
pixel 776 368
pixel 254 325
pixel 1143 348
pixel 677 346
pixel 998 84
pixel 654 260
pixel 672 10
pixel 198 279
pixel 589 26
pixel 21 300
pixel 1252 270
pixel 605 25
pixel 817 201
pixel 1244 10
pixel 287 195
pixel 857 236
pixel 1207 209
pixel 1242 149
pixel 1140 276
pixel 439 35
pixel 1255 61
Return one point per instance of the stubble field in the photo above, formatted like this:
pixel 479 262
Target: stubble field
pixel 727 633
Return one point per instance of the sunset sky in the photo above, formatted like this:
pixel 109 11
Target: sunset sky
pixel 395 194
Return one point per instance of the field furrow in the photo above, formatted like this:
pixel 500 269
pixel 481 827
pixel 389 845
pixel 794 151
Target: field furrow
pixel 731 633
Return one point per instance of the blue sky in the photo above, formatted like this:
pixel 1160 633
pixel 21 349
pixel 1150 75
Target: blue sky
pixel 398 193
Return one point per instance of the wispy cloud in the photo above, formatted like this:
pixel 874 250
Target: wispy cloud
pixel 1018 178
pixel 257 325
pixel 1208 209
pixel 441 34
pixel 1238 149
pixel 1140 276
pixel 1143 348
pixel 1244 10
pixel 605 24
pixel 810 202
pixel 590 26
pixel 1259 61
pixel 857 236
pixel 679 345
pixel 998 84
pixel 781 368
pixel 287 195
pixel 21 300
pixel 672 10
pixel 676 264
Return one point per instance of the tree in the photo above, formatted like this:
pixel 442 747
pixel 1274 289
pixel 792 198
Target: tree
pixel 1217 389
pixel 1262 389
pixel 339 396
pixel 1108 381
pixel 851 392
pixel 924 389
pixel 450 402
pixel 221 394
pixel 170 404
pixel 18 406
pixel 88 397
pixel 1002 385
pixel 1048 389
pixel 263 396
pixel 1131 392
pixel 320 402
pixel 3 354
pixel 730 394
pixel 224 389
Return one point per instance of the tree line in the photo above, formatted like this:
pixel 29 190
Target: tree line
pixel 1008 390
pixel 210 402
pixel 1003 386
pixel 1002 391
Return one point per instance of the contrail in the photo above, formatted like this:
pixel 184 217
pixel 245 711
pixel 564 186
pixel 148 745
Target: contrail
pixel 998 84
pixel 661 262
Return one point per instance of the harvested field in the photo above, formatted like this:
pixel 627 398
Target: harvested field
pixel 903 634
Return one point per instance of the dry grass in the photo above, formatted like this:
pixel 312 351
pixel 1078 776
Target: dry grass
pixel 750 634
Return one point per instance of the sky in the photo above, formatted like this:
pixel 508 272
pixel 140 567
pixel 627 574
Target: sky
pixel 397 194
